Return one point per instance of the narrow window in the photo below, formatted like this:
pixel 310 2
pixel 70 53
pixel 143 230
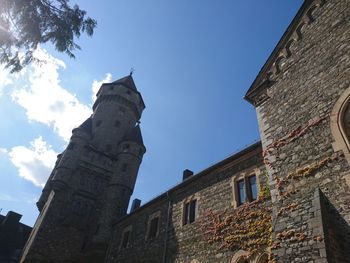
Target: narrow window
pixel 252 187
pixel 117 123
pixel 192 215
pixel 98 123
pixel 86 151
pixel 128 92
pixel 124 167
pixel 153 228
pixel 122 110
pixel 126 147
pixel 190 209
pixel 241 192
pixel 125 240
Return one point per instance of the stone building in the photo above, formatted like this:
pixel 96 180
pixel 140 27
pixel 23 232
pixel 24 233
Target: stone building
pixel 284 199
pixel 13 236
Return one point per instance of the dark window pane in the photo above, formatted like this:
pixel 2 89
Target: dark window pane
pixel 192 215
pixel 186 213
pixel 253 187
pixel 153 228
pixel 241 192
pixel 124 167
pixel 125 239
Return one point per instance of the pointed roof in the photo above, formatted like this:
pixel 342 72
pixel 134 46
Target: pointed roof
pixel 127 81
pixel 135 135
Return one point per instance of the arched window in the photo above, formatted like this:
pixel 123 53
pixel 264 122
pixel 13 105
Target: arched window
pixel 239 257
pixel 242 259
pixel 340 124
pixel 264 258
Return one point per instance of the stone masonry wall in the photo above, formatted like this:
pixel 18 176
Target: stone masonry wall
pixel 309 83
pixel 184 243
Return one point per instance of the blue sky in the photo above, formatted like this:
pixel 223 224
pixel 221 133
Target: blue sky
pixel 194 60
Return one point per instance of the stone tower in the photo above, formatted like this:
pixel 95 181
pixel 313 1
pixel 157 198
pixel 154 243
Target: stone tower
pixel 92 181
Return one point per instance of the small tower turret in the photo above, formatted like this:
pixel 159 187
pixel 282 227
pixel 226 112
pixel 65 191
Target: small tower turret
pixel 117 110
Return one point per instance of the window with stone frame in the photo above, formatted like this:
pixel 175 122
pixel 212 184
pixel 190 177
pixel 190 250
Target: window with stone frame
pixel 126 237
pixel 245 189
pixel 153 226
pixel 190 212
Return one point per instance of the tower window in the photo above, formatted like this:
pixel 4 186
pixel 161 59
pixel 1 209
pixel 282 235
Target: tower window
pixel 98 123
pixel 126 147
pixel 128 92
pixel 190 212
pixel 122 110
pixel 86 151
pixel 153 228
pixel 124 167
pixel 117 123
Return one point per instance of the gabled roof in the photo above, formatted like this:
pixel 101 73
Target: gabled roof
pixel 282 51
pixel 127 81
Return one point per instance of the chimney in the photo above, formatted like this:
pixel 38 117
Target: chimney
pixel 136 203
pixel 186 174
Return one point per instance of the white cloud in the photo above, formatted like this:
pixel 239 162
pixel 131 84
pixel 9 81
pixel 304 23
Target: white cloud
pixel 46 101
pixel 97 84
pixel 34 163
pixel 5 79
pixel 38 90
pixel 3 151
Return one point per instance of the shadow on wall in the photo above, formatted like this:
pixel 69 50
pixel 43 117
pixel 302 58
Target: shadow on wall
pixel 337 233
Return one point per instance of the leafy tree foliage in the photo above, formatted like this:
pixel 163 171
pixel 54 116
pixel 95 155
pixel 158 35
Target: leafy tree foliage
pixel 24 24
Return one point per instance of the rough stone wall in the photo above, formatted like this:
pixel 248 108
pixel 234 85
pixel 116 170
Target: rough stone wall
pixel 212 190
pixel 140 249
pixel 309 83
